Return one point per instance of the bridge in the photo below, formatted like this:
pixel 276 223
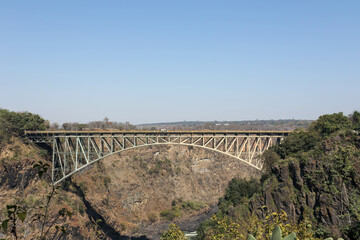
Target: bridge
pixel 73 151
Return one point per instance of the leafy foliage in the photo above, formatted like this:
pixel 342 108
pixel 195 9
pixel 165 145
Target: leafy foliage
pixel 238 192
pixel 173 233
pixel 179 207
pixel 296 142
pixel 277 235
pixel 330 123
pixel 14 124
pixel 311 173
pixel 228 228
pixel 355 119
pixel 18 122
pixel 223 228
pixel 14 213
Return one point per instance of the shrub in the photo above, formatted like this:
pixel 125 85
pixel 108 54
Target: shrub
pixel 14 124
pixel 238 191
pixel 188 205
pixel 355 119
pixel 330 123
pixel 152 217
pixel 298 141
pixel 171 213
pixel 173 233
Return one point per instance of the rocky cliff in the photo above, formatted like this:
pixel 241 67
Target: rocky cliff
pixel 314 176
pixel 135 189
pixel 136 193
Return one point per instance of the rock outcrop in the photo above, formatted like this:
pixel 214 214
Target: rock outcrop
pixel 123 196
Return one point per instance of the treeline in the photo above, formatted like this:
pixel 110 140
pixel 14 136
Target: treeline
pixel 256 125
pixel 95 125
pixel 15 123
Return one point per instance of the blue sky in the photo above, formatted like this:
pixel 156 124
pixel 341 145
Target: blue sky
pixel 159 61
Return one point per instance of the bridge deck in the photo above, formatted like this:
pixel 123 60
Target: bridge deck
pixel 141 132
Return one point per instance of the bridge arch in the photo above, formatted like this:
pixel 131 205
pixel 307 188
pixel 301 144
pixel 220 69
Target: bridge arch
pixel 75 151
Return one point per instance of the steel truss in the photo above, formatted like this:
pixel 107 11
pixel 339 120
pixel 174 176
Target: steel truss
pixel 74 151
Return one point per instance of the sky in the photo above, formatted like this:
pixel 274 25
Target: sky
pixel 160 61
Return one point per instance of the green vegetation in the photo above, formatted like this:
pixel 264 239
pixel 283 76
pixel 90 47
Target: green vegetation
pixel 161 167
pixel 277 235
pixel 238 192
pixel 220 228
pixel 298 142
pixel 171 214
pixel 313 176
pixel 173 233
pixel 152 217
pixel 18 122
pixel 15 123
pixel 180 207
pixel 285 124
pixel 330 123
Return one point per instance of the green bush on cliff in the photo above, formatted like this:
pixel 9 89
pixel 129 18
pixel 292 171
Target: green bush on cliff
pixel 330 123
pixel 238 192
pixel 179 207
pixel 170 214
pixel 296 142
pixel 173 233
pixel 18 122
pixel 277 235
pixel 313 173
pixel 355 119
pixel 15 123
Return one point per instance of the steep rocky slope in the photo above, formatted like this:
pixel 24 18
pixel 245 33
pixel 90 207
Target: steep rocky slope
pixel 132 189
pixel 129 194
pixel 314 176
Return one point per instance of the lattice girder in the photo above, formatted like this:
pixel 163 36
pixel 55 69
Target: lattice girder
pixel 74 151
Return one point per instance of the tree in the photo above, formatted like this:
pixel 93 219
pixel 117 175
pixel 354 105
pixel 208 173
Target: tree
pixel 18 122
pixel 223 229
pixel 355 118
pixel 298 141
pixel 330 123
pixel 173 233
pixel 238 192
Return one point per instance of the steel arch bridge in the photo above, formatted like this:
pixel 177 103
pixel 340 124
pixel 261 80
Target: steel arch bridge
pixel 73 151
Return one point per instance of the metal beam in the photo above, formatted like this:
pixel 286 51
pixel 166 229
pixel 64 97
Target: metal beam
pixel 70 149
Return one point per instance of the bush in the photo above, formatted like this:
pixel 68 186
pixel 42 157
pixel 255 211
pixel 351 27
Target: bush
pixel 238 191
pixel 221 228
pixel 173 233
pixel 18 122
pixel 298 141
pixel 355 119
pixel 188 205
pixel 14 124
pixel 152 217
pixel 270 158
pixel 330 123
pixel 170 214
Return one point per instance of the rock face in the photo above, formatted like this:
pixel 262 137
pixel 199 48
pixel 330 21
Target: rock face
pixel 308 190
pixel 127 192
pixel 130 187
